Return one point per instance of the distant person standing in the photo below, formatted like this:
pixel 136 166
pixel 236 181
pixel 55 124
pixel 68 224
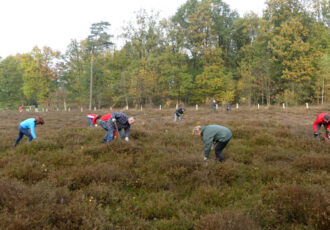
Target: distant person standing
pixel 214 106
pixel 228 107
pixel 92 119
pixel 322 119
pixel 178 114
pixel 27 128
pixel 217 134
pixel 20 108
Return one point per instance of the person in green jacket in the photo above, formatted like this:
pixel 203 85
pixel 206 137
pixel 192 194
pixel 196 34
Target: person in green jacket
pixel 210 134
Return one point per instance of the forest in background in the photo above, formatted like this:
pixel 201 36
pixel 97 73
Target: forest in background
pixel 205 51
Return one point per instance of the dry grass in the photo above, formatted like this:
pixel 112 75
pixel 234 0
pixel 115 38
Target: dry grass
pixel 276 175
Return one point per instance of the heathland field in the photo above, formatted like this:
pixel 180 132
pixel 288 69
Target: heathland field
pixel 276 175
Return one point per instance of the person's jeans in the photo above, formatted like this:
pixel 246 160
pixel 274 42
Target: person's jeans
pixel 21 133
pixel 90 121
pixel 218 150
pixel 109 135
pixel 318 127
pixel 122 134
pixel 176 117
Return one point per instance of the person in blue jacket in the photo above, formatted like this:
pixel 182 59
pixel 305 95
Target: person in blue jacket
pixel 27 128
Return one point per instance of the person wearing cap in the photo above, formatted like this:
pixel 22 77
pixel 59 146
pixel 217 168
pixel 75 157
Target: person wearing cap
pixel 92 119
pixel 217 134
pixel 27 128
pixel 178 114
pixel 322 119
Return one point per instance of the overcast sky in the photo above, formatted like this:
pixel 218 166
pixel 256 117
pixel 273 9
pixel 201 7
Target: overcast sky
pixel 54 23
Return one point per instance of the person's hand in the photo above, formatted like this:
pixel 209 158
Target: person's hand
pixel 113 119
pixel 316 134
pixel 205 158
pixel 126 138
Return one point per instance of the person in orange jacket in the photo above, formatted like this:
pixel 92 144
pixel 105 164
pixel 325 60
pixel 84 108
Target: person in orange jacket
pixel 322 119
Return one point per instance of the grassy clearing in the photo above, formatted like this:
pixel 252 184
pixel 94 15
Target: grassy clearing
pixel 276 175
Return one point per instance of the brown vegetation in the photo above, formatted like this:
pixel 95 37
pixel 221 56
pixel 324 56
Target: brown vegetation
pixel 276 175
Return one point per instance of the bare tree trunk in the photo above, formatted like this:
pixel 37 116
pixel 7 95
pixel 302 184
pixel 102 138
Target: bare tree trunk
pixel 91 84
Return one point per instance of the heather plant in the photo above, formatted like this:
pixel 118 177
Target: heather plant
pixel 276 174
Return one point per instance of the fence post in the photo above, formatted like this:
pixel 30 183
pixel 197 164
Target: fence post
pixel 160 107
pixel 283 105
pixel 236 105
pixel 126 107
pixel 258 106
pixel 196 107
pixel 141 107
pixel 307 106
pixel 216 107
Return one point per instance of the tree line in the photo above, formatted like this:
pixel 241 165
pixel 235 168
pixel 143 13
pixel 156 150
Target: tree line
pixel 205 51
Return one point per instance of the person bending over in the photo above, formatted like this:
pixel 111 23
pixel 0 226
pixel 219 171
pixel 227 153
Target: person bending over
pixel 27 128
pixel 92 119
pixel 178 114
pixel 213 133
pixel 322 119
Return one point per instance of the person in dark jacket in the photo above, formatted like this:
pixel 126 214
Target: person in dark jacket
pixel 27 128
pixel 214 106
pixel 121 122
pixel 322 119
pixel 217 134
pixel 178 114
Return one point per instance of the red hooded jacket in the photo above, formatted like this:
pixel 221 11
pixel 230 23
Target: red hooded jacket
pixel 93 117
pixel 106 117
pixel 320 120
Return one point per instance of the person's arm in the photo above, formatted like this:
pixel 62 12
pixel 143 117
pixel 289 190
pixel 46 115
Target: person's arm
pixel 32 126
pixel 94 120
pixel 127 131
pixel 207 145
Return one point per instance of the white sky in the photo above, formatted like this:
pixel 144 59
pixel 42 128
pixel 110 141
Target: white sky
pixel 54 23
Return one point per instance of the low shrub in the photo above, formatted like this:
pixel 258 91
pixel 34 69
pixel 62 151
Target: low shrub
pixel 298 204
pixel 313 162
pixel 226 220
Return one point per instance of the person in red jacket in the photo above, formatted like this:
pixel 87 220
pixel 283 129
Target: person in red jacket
pixel 104 124
pixel 92 119
pixel 322 119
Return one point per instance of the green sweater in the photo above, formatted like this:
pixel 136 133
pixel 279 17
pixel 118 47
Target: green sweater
pixel 214 133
